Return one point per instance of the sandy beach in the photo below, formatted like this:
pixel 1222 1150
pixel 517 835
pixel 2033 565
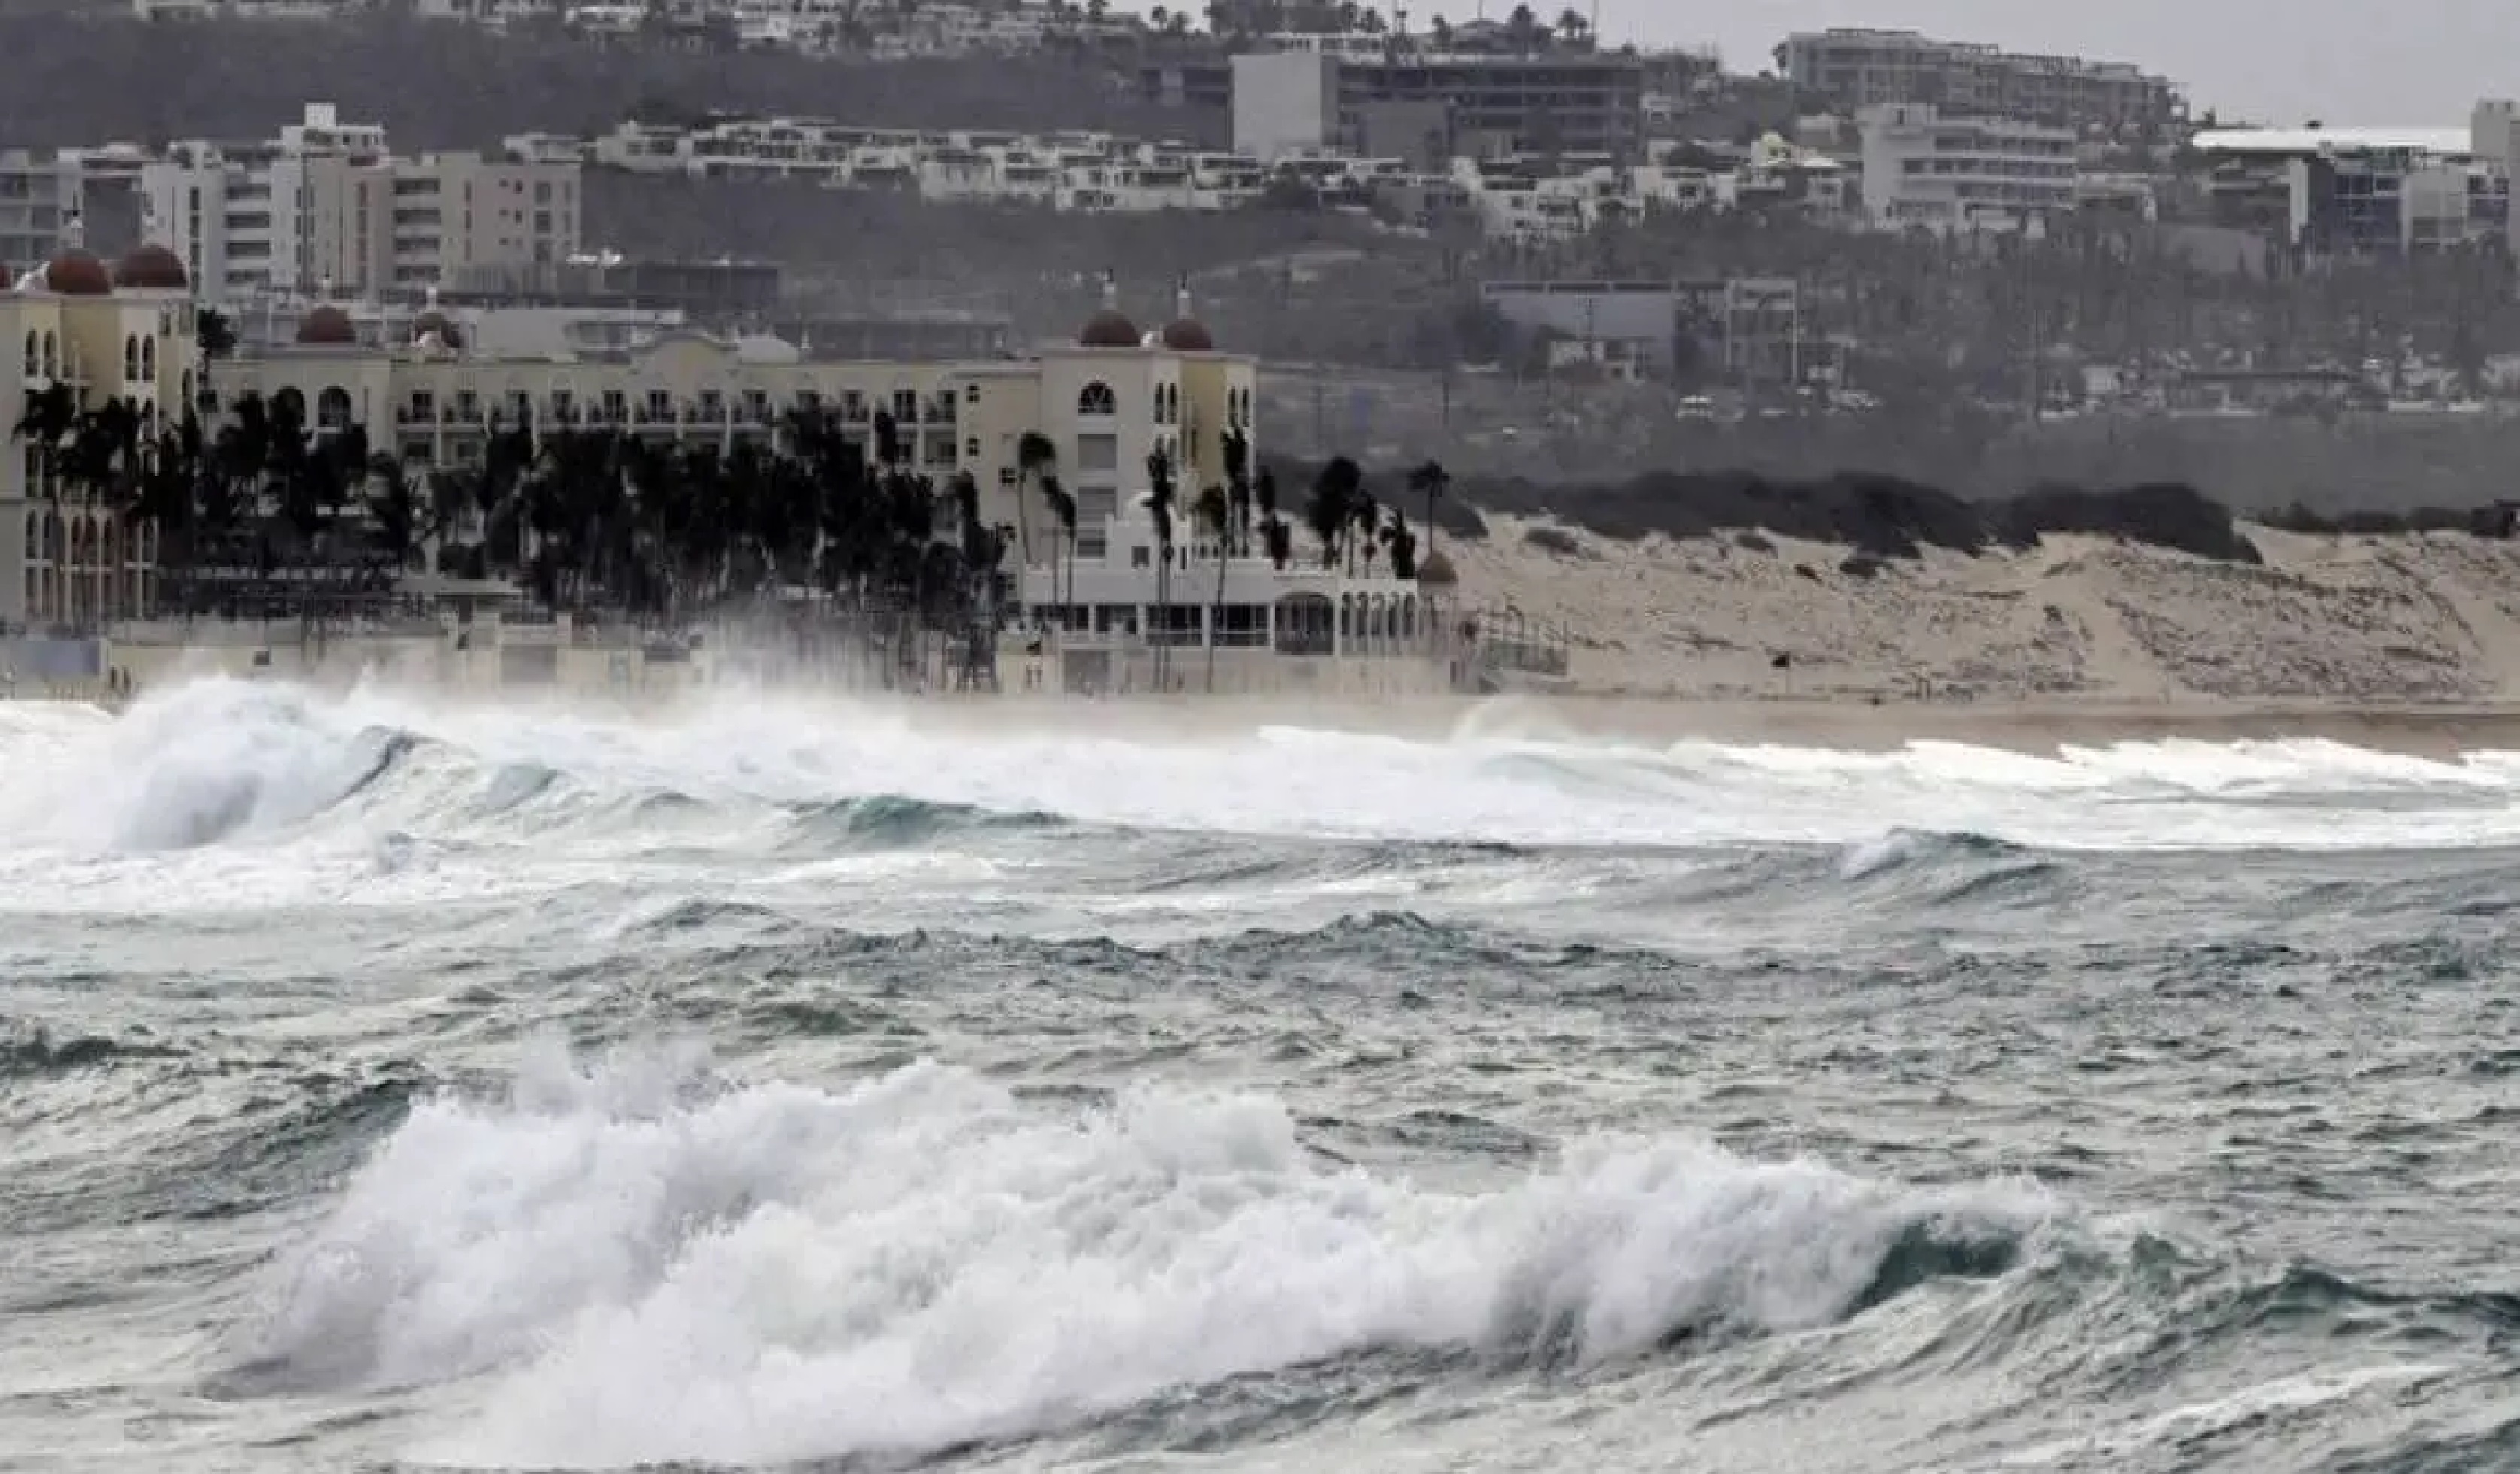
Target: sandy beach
pixel 2377 625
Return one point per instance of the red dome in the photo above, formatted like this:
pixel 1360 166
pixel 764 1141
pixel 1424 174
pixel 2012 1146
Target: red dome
pixel 76 273
pixel 153 269
pixel 1189 336
pixel 1108 329
pixel 328 327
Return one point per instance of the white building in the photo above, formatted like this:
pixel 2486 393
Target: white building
pixel 1286 102
pixel 327 206
pixel 1921 168
pixel 39 199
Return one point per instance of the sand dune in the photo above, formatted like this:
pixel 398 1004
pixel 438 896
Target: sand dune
pixel 2341 622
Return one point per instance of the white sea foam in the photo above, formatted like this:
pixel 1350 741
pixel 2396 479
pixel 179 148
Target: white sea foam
pixel 636 1273
pixel 252 766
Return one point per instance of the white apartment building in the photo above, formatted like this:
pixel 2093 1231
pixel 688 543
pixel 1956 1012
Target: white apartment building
pixel 1856 68
pixel 1921 168
pixel 327 207
pixel 39 198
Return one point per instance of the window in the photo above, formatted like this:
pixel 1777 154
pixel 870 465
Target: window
pixel 130 356
pixel 970 394
pixel 149 359
pixel 972 447
pixel 35 357
pixel 905 406
pixel 333 408
pixel 1097 400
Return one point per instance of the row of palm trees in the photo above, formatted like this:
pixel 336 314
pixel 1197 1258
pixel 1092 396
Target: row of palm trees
pixel 269 511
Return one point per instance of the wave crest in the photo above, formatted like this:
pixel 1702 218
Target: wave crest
pixel 656 1266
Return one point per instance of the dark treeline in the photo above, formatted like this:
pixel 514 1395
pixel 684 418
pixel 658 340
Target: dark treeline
pixel 263 510
pixel 97 76
pixel 1880 516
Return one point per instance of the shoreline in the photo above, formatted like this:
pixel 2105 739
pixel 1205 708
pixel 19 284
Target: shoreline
pixel 1602 720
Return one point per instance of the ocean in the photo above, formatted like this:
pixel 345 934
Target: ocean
pixel 788 1086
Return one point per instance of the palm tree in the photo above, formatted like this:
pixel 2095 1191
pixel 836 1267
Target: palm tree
pixel 1367 518
pixel 1402 543
pixel 1159 508
pixel 1433 482
pixel 1332 506
pixel 1273 528
pixel 1062 507
pixel 1237 485
pixel 1036 456
pixel 1213 513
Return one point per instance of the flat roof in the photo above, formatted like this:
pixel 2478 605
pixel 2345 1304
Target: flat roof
pixel 2447 141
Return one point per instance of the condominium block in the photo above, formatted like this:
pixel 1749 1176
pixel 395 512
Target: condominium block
pixel 1855 70
pixel 328 208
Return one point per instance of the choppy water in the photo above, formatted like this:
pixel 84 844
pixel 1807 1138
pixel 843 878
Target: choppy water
pixel 791 1086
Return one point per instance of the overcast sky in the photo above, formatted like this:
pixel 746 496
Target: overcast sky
pixel 2371 62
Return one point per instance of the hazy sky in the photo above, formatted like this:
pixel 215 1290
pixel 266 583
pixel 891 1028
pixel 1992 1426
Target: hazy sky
pixel 2409 63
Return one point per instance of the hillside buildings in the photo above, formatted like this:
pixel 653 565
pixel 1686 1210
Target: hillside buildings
pixel 2329 193
pixel 327 206
pixel 1924 169
pixel 1856 68
pixel 1315 98
pixel 39 201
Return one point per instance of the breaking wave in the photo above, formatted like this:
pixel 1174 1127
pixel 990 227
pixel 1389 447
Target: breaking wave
pixel 230 763
pixel 649 1264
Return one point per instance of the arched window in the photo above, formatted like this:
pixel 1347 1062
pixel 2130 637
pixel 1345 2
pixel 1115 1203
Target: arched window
pixel 333 408
pixel 130 356
pixel 34 356
pixel 34 536
pixel 52 356
pixel 1097 398
pixel 1409 616
pixel 149 359
pixel 188 390
pixel 290 402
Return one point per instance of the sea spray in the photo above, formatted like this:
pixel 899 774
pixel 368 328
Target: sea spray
pixel 771 1273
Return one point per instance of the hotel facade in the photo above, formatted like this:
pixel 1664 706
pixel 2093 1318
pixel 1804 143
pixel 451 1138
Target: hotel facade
pixel 1107 402
pixel 124 332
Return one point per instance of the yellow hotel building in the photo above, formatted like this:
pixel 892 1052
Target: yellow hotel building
pixel 1105 402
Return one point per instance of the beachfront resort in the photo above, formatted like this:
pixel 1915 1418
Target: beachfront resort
pixel 376 494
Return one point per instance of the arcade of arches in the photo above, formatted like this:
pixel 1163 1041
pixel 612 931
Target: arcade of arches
pixel 86 563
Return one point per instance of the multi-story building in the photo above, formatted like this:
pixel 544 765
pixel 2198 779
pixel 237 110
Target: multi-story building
pixel 1856 69
pixel 2359 192
pixel 39 199
pixel 1547 102
pixel 101 335
pixel 1921 168
pixel 327 206
pixel 1107 402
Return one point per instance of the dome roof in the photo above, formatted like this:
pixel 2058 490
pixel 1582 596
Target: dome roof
pixel 1436 569
pixel 434 321
pixel 76 273
pixel 1189 336
pixel 153 269
pixel 1108 329
pixel 329 327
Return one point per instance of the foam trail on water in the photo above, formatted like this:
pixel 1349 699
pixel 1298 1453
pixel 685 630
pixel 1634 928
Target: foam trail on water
pixel 226 762
pixel 774 1272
